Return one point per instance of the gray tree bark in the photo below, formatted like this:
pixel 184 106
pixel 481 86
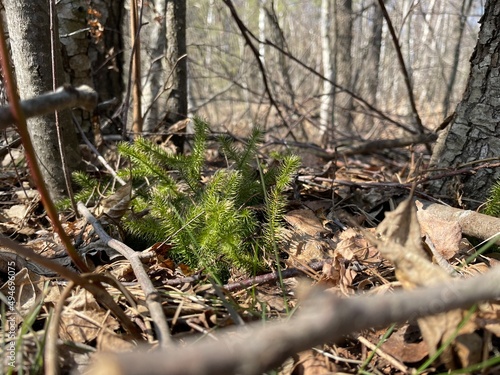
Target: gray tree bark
pixel 154 86
pixel 343 64
pixel 372 63
pixel 474 133
pixel 105 51
pixel 75 42
pixel 29 28
pixel 460 26
pixel 176 63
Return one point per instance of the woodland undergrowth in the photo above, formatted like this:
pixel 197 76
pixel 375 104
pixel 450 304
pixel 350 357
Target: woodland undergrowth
pixel 219 223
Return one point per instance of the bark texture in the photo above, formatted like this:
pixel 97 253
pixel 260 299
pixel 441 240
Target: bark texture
pixel 164 72
pixel 154 96
pixel 327 55
pixel 105 51
pixel 474 133
pixel 372 63
pixel 343 119
pixel 29 28
pixel 75 41
pixel 176 63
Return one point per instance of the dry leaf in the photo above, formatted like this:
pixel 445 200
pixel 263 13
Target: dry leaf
pixel 116 205
pixel 83 319
pixel 401 243
pixel 311 363
pixel 111 342
pixel 445 235
pixel 28 288
pixel 304 222
pixel 405 346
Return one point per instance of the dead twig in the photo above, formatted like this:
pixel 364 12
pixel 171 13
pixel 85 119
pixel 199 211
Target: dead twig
pixel 324 318
pixel 100 294
pixel 63 98
pixel 51 357
pixel 353 95
pixel 361 148
pixel 473 223
pixel 418 121
pixel 274 276
pixel 150 293
pixel 248 36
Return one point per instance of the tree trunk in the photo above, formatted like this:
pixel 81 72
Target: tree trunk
pixel 325 112
pixel 153 36
pixel 372 64
pixel 106 49
pixel 474 133
pixel 29 28
pixel 176 65
pixel 262 30
pixel 343 64
pixel 460 26
pixel 75 42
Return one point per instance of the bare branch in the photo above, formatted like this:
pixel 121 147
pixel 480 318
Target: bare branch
pixel 96 289
pixel 324 318
pixel 247 35
pixel 150 293
pixel 355 96
pixel 63 98
pixel 418 121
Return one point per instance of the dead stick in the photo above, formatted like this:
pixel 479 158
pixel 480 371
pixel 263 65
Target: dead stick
pixel 150 292
pixel 63 98
pixel 100 294
pixel 325 318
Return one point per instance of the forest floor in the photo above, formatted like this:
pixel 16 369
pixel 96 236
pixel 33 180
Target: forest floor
pixel 329 240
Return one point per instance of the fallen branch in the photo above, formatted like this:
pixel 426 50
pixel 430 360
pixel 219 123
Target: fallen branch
pixel 150 293
pixel 472 223
pixel 100 294
pixel 64 97
pixel 324 318
pixel 362 148
pixel 274 276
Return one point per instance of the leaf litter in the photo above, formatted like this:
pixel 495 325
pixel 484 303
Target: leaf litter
pixel 344 223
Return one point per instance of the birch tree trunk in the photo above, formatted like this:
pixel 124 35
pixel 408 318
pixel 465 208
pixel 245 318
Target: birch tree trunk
pixel 262 30
pixel 474 133
pixel 326 106
pixel 29 28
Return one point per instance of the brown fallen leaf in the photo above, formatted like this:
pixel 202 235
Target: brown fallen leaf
pixel 405 346
pixel 28 289
pixel 446 235
pixel 117 204
pixel 400 242
pixel 111 342
pixel 82 319
pixel 311 363
pixel 304 221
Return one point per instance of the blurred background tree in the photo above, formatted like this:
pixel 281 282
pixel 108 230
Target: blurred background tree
pixel 331 66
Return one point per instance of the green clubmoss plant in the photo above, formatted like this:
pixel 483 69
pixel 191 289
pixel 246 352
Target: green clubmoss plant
pixel 492 207
pixel 226 222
